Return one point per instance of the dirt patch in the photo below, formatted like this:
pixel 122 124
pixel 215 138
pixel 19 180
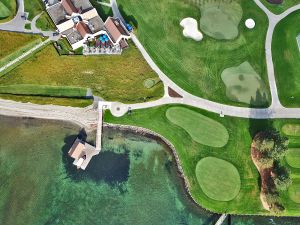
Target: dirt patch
pixel 173 93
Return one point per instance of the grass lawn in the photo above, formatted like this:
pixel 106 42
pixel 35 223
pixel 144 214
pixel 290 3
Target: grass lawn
pixel 15 43
pixel 45 23
pixel 277 9
pixel 196 66
pixel 114 78
pixel 293 157
pixel 8 10
pixel 236 152
pixel 218 179
pixel 243 84
pixel 214 134
pixel 33 7
pixel 40 90
pixel 286 57
pixel 220 20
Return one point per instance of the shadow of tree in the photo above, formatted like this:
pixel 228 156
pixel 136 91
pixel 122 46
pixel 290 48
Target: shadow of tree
pixel 128 18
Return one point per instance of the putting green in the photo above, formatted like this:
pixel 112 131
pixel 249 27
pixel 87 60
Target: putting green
pixel 294 192
pixel 291 129
pixel 293 157
pixel 4 11
pixel 201 128
pixel 220 20
pixel 243 84
pixel 219 179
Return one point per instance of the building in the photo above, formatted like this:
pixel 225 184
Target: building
pixel 80 23
pixel 82 153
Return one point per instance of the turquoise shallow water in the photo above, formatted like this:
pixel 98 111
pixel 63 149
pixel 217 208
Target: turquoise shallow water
pixel 133 181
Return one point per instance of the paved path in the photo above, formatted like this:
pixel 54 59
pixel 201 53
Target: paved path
pixel 88 117
pixel 276 110
pixel 17 23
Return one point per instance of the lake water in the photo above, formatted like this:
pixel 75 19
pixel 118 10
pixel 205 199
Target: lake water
pixel 133 181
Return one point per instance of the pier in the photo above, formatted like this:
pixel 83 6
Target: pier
pixel 221 219
pixel 99 129
pixel 82 152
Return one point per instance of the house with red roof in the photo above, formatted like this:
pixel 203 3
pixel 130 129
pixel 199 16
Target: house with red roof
pixel 79 22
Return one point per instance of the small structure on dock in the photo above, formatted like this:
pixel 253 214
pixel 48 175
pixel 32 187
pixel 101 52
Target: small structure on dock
pixel 82 153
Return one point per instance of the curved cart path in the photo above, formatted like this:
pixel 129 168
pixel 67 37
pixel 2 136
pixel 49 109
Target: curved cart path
pixel 276 110
pixel 87 117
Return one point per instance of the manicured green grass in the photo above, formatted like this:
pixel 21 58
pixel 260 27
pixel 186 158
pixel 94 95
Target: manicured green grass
pixel 103 11
pixel 75 102
pixel 33 7
pixel 45 23
pixel 4 11
pixel 237 152
pixel 8 10
pixel 195 66
pixel 293 157
pixel 114 78
pixel 220 20
pixel 219 179
pixel 277 9
pixel 214 134
pixel 243 84
pixel 294 191
pixel 42 90
pixel 291 129
pixel 286 57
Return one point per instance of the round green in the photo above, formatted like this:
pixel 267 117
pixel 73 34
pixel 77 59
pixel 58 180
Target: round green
pixel 291 129
pixel 202 129
pixel 294 192
pixel 218 179
pixel 293 157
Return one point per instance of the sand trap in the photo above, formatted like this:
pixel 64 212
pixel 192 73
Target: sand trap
pixel 190 30
pixel 250 23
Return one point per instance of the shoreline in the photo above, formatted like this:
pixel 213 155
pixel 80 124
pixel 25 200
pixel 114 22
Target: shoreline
pixel 171 148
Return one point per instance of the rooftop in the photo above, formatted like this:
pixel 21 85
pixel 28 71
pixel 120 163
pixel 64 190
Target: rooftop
pixel 115 28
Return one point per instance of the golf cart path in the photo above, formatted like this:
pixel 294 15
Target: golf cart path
pixel 87 117
pixel 276 110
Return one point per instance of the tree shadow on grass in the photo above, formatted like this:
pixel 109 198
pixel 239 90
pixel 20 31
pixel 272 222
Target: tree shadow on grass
pixel 128 18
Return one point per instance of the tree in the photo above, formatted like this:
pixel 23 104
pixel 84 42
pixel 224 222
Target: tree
pixel 282 178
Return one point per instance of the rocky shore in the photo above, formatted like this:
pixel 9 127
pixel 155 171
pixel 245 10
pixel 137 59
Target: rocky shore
pixel 153 135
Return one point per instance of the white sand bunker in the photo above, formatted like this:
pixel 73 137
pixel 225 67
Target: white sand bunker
pixel 190 30
pixel 250 23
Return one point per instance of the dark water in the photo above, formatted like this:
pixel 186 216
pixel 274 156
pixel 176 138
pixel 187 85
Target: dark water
pixel 133 181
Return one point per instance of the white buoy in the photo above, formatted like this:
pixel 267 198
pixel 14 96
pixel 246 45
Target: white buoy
pixel 250 23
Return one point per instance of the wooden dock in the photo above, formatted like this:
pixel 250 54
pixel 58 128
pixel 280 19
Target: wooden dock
pixel 99 130
pixel 221 219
